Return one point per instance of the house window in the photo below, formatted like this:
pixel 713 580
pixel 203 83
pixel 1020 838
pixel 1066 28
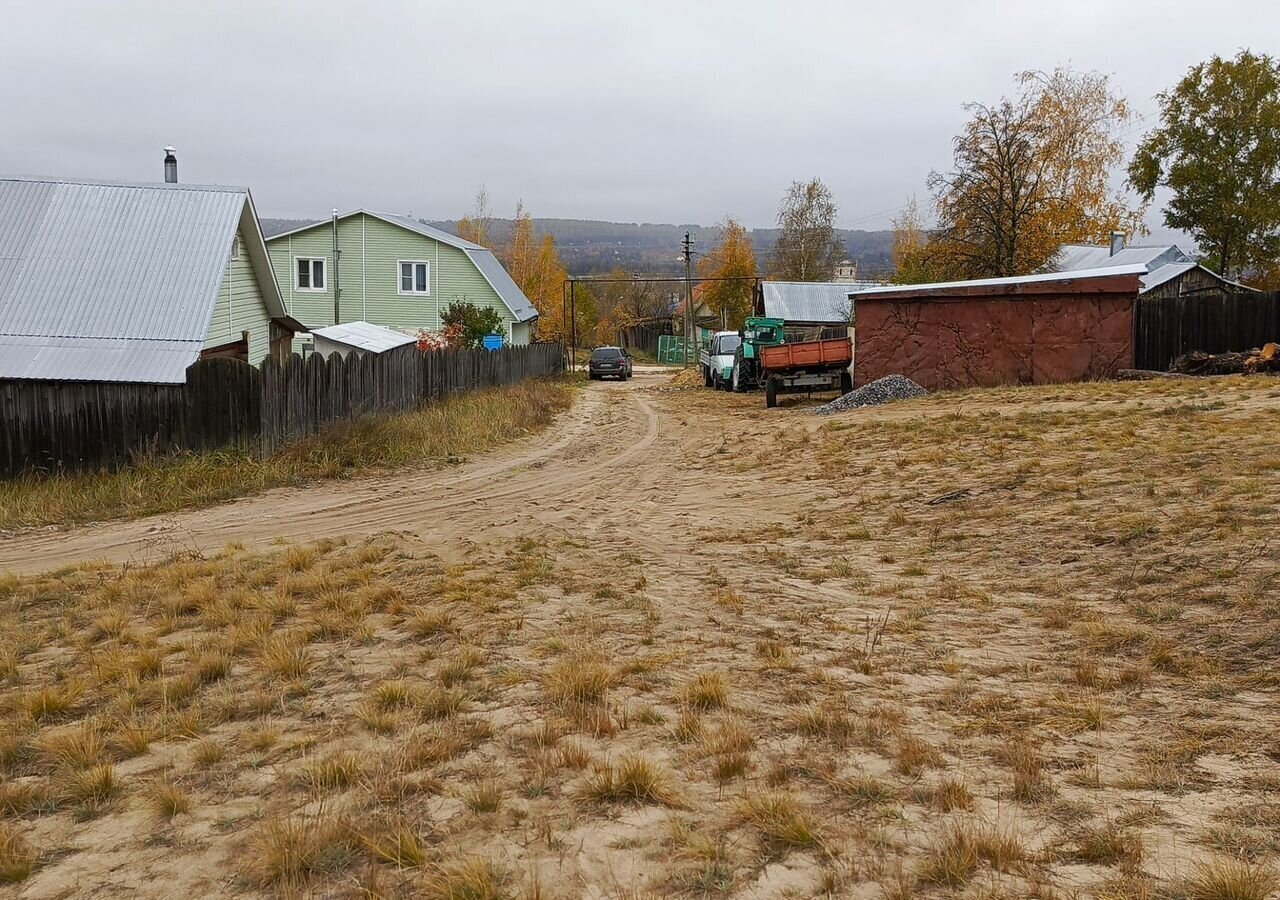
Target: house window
pixel 235 247
pixel 309 274
pixel 415 277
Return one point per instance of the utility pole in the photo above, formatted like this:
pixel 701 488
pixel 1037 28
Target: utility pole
pixel 687 252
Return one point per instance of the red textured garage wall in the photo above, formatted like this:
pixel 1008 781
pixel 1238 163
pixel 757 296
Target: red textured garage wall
pixel 982 341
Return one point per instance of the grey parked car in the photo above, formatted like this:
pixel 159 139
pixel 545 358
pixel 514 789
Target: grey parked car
pixel 609 362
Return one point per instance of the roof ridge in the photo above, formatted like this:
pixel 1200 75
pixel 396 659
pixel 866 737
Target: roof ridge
pixel 99 182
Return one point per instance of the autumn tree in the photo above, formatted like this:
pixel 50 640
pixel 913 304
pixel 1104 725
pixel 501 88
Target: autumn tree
pixel 475 225
pixel 731 258
pixel 1217 149
pixel 622 301
pixel 534 264
pixel 914 255
pixel 808 248
pixel 1030 174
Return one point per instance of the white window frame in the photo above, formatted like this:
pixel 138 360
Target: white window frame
pixel 324 288
pixel 400 264
pixel 235 247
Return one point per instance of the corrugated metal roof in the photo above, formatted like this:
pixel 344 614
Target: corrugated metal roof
pixel 1163 262
pixel 1165 273
pixel 97 359
pixel 522 310
pixel 1047 277
pixel 1078 257
pixel 521 307
pixel 807 301
pixel 87 262
pixel 364 335
pixel 413 224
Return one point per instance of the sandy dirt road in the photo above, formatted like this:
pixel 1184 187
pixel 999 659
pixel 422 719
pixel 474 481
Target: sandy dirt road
pixel 624 461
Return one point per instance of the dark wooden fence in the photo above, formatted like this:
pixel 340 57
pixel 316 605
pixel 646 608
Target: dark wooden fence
pixel 1164 328
pixel 50 425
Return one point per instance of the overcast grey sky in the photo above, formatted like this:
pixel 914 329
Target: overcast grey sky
pixel 650 111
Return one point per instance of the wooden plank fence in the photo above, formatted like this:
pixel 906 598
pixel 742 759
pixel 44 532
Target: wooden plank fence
pixel 1164 328
pixel 86 426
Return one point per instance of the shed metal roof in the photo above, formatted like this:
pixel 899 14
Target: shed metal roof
pixel 522 310
pixel 364 335
pixel 116 281
pixel 808 301
pixel 957 287
pixel 1081 257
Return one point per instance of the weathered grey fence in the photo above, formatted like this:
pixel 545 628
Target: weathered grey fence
pixel 51 425
pixel 1164 328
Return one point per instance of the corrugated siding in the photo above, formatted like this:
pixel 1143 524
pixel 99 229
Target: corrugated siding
pixel 371 251
pixel 240 308
pixel 311 308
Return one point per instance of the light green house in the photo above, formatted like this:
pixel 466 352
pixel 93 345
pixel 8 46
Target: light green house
pixel 391 271
pixel 132 282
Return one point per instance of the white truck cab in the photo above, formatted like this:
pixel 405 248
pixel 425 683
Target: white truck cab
pixel 716 359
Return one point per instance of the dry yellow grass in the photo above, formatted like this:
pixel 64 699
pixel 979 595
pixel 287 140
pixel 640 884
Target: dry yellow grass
pixel 464 424
pixel 1058 685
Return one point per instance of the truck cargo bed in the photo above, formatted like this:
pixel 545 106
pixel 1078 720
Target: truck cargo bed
pixel 813 356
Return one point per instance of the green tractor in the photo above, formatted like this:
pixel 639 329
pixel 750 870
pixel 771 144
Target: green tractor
pixel 757 333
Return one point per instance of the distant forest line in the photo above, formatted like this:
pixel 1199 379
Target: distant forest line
pixel 591 247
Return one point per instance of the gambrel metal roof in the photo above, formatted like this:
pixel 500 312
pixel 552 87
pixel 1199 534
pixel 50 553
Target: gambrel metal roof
pixel 116 281
pixel 522 310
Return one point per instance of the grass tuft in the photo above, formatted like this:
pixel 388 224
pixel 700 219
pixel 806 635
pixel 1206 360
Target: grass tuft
pixel 168 798
pixel 17 857
pixel 397 844
pixel 327 774
pixel 781 819
pixel 706 691
pixel 288 852
pixel 467 879
pixel 633 779
pixel 1229 879
pixel 578 681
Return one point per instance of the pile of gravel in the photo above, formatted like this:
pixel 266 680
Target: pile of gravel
pixel 883 390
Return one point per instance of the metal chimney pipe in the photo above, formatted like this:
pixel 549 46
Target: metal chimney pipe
pixel 1117 242
pixel 337 282
pixel 170 166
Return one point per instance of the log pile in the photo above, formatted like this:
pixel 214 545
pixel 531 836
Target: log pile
pixel 1255 362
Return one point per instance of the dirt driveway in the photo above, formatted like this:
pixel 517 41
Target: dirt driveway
pixel 624 460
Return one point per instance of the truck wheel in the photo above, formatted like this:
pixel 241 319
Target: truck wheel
pixel 771 392
pixel 736 384
pixel 846 383
pixel 706 377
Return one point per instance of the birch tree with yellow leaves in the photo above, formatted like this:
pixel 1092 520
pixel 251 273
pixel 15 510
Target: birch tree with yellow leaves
pixel 731 258
pixel 1030 174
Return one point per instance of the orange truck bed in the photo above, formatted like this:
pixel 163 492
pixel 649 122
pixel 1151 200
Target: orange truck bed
pixel 835 353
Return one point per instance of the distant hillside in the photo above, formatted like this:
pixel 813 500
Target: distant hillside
pixel 272 227
pixel 590 247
